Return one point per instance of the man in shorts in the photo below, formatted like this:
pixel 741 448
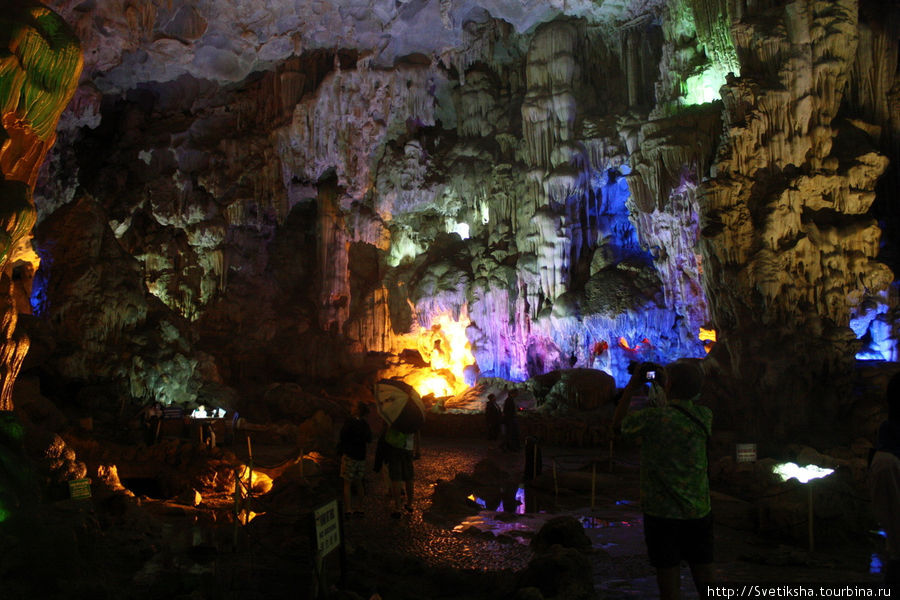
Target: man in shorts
pixel 674 434
pixel 355 435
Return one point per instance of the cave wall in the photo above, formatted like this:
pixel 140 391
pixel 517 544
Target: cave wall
pixel 515 138
pixel 789 239
pixel 299 191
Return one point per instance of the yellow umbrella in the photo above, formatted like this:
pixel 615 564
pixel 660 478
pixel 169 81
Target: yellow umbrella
pixel 399 405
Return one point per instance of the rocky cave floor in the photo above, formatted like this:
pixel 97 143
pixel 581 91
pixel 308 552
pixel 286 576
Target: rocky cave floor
pixel 449 547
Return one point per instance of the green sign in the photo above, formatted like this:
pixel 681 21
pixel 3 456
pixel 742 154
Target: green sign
pixel 328 534
pixel 80 489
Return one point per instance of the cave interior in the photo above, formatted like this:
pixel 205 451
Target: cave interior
pixel 248 214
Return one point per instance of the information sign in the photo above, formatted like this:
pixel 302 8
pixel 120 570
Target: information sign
pixel 328 535
pixel 80 489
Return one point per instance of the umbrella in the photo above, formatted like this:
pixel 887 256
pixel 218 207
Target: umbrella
pixel 399 405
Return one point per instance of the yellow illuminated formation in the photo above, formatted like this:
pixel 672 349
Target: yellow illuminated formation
pixel 447 351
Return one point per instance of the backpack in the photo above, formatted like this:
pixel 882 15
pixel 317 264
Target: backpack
pixel 395 438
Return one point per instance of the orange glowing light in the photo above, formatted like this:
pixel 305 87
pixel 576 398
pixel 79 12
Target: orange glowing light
pixel 246 516
pixel 260 484
pixel 708 337
pixel 446 349
pixel 426 383
pixel 641 346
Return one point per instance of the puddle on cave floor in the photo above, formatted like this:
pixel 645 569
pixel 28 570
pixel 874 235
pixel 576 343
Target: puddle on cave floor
pixel 520 528
pixel 590 522
pixel 526 519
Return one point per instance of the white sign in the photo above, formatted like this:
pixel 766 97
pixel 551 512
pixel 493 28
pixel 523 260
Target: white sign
pixel 328 535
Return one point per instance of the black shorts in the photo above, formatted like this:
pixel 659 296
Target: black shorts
pixel 670 541
pixel 400 465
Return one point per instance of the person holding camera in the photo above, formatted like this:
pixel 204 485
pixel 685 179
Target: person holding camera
pixel 674 433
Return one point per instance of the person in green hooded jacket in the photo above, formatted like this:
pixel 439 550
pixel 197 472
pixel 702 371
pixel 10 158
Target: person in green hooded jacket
pixel 674 433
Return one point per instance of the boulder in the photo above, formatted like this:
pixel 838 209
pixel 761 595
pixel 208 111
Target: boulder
pixel 559 572
pixel 576 390
pixel 190 497
pixel 564 531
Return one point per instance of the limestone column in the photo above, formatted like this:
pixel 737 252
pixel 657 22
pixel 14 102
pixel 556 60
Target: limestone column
pixel 333 258
pixel 39 72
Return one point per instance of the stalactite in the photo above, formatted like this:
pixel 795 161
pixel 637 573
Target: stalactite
pixel 713 19
pixel 332 257
pixel 548 111
pixel 373 330
pixel 667 146
pixel 355 111
pixel 873 74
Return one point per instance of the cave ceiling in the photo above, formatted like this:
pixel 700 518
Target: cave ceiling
pixel 129 43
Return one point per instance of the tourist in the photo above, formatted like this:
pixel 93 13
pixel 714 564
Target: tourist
pixel 400 467
pixel 355 434
pixel 674 434
pixel 510 422
pixel 151 418
pixel 533 458
pixel 884 480
pixel 208 434
pixel 492 417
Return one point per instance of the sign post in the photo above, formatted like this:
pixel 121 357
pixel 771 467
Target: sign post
pixel 80 489
pixel 327 530
pixel 328 535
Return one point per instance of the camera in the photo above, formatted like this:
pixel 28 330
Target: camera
pixel 651 375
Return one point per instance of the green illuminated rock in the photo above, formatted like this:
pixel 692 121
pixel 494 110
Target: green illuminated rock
pixel 40 62
pixel 16 476
pixel 17 215
pixel 11 429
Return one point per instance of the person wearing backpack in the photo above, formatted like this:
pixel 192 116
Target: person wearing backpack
pixel 400 467
pixel 674 434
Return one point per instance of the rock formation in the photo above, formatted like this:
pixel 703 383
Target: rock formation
pixel 308 191
pixel 39 72
pixel 788 238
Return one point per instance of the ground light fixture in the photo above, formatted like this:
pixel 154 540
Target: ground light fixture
pixel 803 475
